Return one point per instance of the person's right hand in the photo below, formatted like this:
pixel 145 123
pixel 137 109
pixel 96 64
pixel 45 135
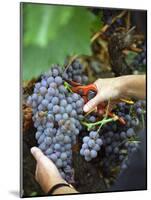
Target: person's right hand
pixel 108 89
pixel 116 88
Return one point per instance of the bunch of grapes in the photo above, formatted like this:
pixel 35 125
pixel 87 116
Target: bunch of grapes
pixel 91 145
pixel 115 142
pixel 74 72
pixel 56 115
pixel 119 141
pixel 139 62
pixel 108 15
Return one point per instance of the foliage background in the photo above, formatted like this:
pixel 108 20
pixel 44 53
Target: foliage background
pixel 50 33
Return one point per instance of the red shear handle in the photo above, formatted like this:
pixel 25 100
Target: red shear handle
pixel 84 89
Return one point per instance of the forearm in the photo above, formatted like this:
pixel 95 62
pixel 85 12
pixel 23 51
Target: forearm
pixel 133 86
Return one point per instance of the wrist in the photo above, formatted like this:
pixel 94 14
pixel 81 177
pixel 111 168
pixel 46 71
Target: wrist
pixel 51 183
pixel 61 188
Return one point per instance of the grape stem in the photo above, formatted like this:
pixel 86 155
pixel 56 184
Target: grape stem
pixel 131 108
pixel 70 62
pixel 67 86
pixel 106 114
pixel 143 120
pixel 104 121
pixel 101 123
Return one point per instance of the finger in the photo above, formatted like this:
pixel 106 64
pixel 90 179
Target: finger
pixel 91 104
pixel 36 173
pixel 37 153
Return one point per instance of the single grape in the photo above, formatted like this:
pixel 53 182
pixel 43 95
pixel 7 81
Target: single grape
pixel 34 97
pixel 53 85
pixel 69 99
pixel 58 80
pixel 116 150
pixel 51 91
pixel 130 132
pixel 56 109
pixel 55 100
pixel 86 139
pixel 43 146
pixel 92 119
pixel 93 134
pixel 110 134
pixel 65 116
pixel 68 146
pixel 73 113
pixel 44 83
pixel 58 117
pixel 108 149
pixel 45 102
pixel 93 153
pixel 49 125
pixel 91 143
pixel 48 140
pixel 49 151
pixel 79 103
pixel 82 152
pixel 99 141
pixel 37 85
pixel 38 134
pixel 96 147
pixel 34 104
pixel 50 80
pixel 123 135
pixel 41 138
pixel 68 108
pixel 57 146
pixel 62 89
pixel 50 106
pixel 58 153
pixel 63 156
pixel 59 163
pixel 75 96
pixel 108 140
pixel 87 152
pixel 67 139
pixel 87 158
pixel 43 90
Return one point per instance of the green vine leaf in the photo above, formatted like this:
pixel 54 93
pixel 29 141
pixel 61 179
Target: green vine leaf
pixel 50 33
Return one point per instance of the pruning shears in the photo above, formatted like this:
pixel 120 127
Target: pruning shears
pixel 85 90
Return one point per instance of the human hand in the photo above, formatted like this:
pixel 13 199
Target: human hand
pixel 108 89
pixel 47 174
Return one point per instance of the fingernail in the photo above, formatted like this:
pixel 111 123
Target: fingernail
pixel 85 108
pixel 33 149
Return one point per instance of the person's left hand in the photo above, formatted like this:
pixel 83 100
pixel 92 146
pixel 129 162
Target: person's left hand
pixel 47 174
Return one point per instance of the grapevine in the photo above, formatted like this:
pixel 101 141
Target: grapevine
pixel 53 114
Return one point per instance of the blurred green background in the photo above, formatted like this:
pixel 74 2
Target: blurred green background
pixel 50 33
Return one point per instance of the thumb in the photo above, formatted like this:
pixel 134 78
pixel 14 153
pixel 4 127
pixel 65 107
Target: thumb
pixel 91 104
pixel 37 153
